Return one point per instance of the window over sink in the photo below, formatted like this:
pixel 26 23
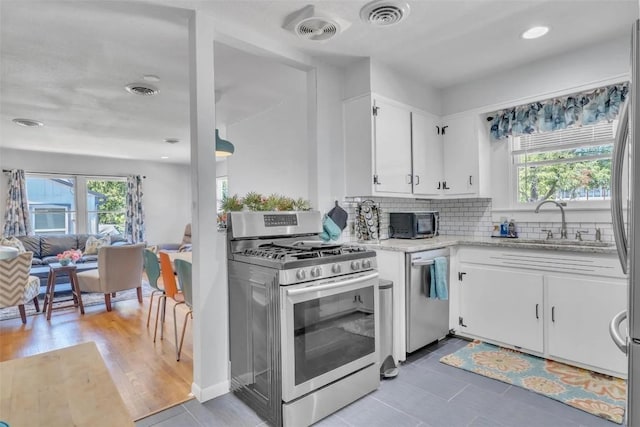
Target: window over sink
pixel 571 164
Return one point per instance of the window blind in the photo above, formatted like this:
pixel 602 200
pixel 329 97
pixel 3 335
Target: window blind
pixel 602 133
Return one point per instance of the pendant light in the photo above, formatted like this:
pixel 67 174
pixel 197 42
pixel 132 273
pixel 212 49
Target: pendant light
pixel 223 147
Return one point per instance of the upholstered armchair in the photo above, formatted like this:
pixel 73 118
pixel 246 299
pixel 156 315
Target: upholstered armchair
pixel 184 245
pixel 16 286
pixel 119 268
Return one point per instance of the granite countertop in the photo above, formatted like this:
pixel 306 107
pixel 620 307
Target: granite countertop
pixel 419 245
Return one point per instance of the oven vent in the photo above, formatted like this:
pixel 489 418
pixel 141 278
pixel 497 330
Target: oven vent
pixel 309 24
pixel 383 13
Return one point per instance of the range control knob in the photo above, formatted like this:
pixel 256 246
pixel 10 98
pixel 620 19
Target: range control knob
pixel 336 269
pixel 316 272
pixel 355 265
pixel 366 263
pixel 301 274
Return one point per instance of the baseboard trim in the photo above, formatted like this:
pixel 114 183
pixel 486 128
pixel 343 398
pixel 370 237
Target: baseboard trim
pixel 210 392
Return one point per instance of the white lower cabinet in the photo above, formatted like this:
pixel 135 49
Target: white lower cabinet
pixel 529 300
pixel 502 305
pixel 578 317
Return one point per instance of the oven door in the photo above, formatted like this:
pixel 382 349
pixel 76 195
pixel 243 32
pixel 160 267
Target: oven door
pixel 329 330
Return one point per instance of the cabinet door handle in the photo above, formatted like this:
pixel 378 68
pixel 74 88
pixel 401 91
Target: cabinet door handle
pixel 470 180
pixel 444 185
pixel 409 178
pixel 537 314
pixel 417 181
pixel 553 314
pixel 439 185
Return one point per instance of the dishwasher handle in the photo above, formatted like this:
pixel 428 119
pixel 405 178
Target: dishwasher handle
pixel 422 263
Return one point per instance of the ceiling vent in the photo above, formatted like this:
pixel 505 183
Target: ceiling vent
pixel 27 123
pixel 143 89
pixel 309 24
pixel 383 13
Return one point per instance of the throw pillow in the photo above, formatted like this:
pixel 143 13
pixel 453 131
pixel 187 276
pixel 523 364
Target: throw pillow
pixel 94 243
pixel 14 242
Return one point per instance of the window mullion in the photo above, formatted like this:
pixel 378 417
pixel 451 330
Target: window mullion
pixel 81 204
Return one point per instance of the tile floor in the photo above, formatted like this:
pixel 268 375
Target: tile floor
pixel 425 393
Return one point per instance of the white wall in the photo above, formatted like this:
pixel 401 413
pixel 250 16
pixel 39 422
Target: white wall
pixel 167 188
pixel 328 151
pixel 543 78
pixel 271 151
pixel 392 84
pixel 357 78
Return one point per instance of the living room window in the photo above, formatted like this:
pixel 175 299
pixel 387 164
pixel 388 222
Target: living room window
pixel 570 164
pixel 56 205
pixel 106 204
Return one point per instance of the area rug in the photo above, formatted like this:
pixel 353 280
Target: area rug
pixel 88 299
pixel 597 394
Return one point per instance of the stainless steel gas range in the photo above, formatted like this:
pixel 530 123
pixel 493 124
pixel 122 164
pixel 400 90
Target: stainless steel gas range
pixel 303 317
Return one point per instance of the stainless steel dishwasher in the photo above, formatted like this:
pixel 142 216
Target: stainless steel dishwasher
pixel 427 318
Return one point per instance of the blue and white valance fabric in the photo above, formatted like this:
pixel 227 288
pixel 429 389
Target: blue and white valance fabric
pixel 16 214
pixel 134 224
pixel 580 109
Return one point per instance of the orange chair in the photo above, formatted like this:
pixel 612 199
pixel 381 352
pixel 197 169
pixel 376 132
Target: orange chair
pixel 170 291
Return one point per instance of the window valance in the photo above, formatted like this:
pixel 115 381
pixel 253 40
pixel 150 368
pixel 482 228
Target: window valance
pixel 586 108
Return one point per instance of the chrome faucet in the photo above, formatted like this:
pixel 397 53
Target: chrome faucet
pixel 563 228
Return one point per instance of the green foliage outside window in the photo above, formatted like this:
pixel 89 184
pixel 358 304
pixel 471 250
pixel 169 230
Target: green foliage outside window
pixel 563 175
pixel 111 208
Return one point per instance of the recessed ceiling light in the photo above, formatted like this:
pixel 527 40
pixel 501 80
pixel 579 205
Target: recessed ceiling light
pixel 172 140
pixel 144 89
pixel 535 32
pixel 151 78
pixel 164 157
pixel 27 123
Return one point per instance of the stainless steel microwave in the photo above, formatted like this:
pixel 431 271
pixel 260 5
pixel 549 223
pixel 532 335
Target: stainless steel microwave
pixel 414 225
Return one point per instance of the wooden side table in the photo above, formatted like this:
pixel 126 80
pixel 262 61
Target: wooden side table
pixel 54 270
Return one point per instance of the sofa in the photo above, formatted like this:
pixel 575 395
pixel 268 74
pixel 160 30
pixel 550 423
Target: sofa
pixel 45 247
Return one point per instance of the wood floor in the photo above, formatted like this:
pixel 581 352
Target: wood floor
pixel 147 375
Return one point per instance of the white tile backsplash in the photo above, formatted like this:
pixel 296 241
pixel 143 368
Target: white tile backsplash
pixel 467 217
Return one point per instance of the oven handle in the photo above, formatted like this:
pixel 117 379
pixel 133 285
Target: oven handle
pixel 316 288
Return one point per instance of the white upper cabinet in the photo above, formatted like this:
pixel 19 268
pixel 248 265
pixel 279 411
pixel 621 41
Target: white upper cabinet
pixel 427 154
pixel 392 147
pixel 466 156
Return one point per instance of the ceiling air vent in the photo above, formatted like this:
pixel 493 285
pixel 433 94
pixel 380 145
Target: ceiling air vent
pixel 27 123
pixel 143 89
pixel 384 12
pixel 309 24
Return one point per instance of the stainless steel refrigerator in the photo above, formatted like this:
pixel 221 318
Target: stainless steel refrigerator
pixel 628 236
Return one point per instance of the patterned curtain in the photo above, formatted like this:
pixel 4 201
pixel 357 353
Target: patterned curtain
pixel 134 224
pixel 16 215
pixel 579 109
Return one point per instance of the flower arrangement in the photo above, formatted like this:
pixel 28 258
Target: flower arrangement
pixel 69 256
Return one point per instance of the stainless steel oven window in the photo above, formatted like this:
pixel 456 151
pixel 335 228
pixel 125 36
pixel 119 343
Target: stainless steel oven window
pixel 330 330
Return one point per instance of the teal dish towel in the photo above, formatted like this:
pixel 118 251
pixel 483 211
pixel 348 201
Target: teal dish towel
pixel 439 279
pixel 330 230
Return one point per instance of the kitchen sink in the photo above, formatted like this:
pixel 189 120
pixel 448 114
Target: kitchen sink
pixel 564 242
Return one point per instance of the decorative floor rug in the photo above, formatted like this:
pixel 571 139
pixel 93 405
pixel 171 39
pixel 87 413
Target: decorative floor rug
pixel 88 299
pixel 597 394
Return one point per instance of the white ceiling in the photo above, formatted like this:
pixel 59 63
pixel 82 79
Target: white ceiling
pixel 66 63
